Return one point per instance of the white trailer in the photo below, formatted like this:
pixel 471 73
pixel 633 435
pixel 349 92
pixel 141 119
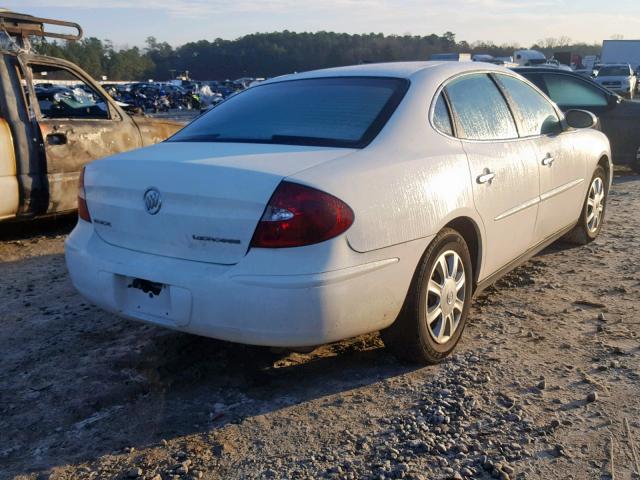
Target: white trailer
pixel 621 51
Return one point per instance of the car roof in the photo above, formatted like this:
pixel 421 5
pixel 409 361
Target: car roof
pixel 405 70
pixel 543 69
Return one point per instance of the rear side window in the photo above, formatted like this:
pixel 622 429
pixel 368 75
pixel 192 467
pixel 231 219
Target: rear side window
pixel 333 112
pixel 537 115
pixel 441 117
pixel 481 110
pixel 571 92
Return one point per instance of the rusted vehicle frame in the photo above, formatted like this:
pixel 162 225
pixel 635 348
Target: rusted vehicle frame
pixel 23 26
pixel 50 152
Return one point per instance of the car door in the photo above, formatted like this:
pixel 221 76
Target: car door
pixel 9 196
pixel 503 168
pixel 562 172
pixel 78 124
pixel 618 117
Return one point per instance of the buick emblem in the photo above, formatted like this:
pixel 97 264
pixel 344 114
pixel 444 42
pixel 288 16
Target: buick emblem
pixel 152 201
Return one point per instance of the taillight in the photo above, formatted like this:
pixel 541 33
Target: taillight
pixel 299 215
pixel 83 210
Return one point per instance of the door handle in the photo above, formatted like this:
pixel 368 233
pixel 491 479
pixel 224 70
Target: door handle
pixel 548 160
pixel 57 139
pixel 486 177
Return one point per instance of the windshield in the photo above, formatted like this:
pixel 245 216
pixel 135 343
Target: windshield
pixel 614 72
pixel 334 112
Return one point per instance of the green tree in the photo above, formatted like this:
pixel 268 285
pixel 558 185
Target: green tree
pixel 271 54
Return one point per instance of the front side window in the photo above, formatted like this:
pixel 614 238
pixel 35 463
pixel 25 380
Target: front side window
pixel 571 92
pixel 481 110
pixel 537 115
pixel 335 112
pixel 441 117
pixel 61 94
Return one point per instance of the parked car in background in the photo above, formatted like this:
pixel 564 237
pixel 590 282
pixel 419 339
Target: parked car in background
pixel 619 118
pixel 328 204
pixel 620 78
pixel 50 130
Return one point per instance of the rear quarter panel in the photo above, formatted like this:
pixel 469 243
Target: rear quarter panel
pixel 591 146
pixel 407 184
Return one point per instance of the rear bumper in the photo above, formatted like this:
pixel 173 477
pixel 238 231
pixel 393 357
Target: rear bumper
pixel 225 302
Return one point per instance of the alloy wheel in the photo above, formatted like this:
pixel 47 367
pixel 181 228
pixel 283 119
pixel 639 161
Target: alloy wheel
pixel 595 204
pixel 445 296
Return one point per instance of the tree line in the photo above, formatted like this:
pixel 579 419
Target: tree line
pixel 271 54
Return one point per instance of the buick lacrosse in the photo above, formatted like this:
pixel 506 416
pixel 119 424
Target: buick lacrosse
pixel 328 204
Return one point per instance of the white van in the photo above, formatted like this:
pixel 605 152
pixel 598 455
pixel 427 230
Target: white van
pixel 527 58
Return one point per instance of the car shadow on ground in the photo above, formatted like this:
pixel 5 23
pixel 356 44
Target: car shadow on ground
pixel 79 383
pixel 618 179
pixel 47 227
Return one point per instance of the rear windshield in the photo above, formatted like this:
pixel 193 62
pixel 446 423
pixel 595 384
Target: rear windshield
pixel 614 72
pixel 335 112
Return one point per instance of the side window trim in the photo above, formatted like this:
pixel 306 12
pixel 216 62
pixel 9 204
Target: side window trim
pixel 458 127
pixel 455 127
pixel 459 132
pixel 511 104
pixel 516 109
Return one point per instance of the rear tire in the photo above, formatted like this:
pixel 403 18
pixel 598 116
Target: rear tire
pixel 435 311
pixel 593 210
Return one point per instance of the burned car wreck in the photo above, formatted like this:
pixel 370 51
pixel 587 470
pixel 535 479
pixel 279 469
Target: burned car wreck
pixel 54 118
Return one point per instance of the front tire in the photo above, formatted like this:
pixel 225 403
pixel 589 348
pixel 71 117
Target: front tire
pixel 593 210
pixel 435 311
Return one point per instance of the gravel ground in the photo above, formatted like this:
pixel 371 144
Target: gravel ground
pixel 545 383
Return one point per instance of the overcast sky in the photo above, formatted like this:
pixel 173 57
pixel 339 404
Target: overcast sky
pixel 129 22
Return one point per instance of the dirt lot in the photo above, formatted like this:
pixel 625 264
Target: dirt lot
pixel 545 383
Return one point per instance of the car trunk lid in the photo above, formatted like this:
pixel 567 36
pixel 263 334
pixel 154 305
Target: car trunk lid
pixel 209 197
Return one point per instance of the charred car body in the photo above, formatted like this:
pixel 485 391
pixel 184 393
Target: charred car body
pixel 54 118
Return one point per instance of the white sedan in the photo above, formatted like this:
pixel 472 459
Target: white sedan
pixel 324 205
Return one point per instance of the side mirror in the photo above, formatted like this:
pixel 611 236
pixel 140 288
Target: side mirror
pixel 613 100
pixel 581 119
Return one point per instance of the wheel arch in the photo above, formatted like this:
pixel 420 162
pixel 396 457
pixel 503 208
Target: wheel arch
pixel 605 163
pixel 470 231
